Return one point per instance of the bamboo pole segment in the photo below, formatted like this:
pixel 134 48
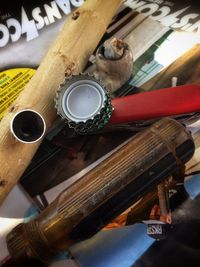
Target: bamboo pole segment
pixel 68 55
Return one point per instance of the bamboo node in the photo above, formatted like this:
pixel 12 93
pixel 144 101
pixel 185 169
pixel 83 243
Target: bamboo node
pixel 70 70
pixel 71 66
pixel 75 15
pixel 2 182
pixel 12 108
pixel 94 15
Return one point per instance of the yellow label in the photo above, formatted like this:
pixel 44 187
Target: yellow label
pixel 12 82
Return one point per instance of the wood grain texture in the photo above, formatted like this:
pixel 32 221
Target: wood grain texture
pixel 68 55
pixel 186 68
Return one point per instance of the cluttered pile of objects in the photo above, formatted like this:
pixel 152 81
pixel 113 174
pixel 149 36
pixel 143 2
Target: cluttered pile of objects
pixel 145 137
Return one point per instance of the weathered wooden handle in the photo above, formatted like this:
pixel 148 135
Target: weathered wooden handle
pixel 68 55
pixel 186 68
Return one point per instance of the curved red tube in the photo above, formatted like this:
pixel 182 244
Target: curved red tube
pixel 156 104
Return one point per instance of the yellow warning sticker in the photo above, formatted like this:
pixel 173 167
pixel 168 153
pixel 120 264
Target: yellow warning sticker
pixel 12 82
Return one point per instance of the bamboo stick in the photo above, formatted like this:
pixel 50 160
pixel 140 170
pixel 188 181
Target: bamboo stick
pixel 68 55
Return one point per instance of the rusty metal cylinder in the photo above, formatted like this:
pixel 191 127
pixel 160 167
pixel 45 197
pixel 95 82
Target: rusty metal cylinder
pixel 106 191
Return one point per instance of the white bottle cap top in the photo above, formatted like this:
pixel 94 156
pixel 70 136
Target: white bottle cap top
pixel 83 100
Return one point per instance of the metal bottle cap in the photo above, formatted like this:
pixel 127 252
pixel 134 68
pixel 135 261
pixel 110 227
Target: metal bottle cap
pixel 84 102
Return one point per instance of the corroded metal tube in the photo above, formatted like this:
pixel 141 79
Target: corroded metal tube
pixel 105 192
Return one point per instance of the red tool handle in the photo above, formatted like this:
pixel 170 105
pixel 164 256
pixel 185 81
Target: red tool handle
pixel 155 104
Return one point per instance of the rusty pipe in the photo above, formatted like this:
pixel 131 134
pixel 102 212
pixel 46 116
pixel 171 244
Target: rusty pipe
pixel 105 192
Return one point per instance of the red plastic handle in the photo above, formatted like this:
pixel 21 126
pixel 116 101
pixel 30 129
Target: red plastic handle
pixel 155 104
